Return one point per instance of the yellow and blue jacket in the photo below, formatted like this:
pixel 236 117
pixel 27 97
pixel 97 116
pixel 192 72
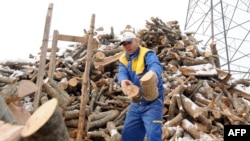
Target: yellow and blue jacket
pixel 133 67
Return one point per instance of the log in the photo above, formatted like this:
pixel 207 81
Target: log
pixel 102 134
pixel 99 123
pixel 64 83
pixel 26 88
pixel 50 127
pixel 115 135
pixel 5 114
pixel 10 132
pixel 107 60
pixel 54 94
pixel 98 57
pixel 8 80
pixel 149 87
pixel 71 114
pixel 167 132
pixel 62 92
pixel 190 128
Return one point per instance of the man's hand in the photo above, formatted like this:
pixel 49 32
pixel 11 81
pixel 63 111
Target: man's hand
pixel 124 85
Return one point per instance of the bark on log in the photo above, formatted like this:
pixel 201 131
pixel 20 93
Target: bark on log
pixel 190 128
pixel 8 80
pixel 50 127
pixel 98 123
pixel 115 135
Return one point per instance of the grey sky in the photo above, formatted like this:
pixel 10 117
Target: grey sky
pixel 22 22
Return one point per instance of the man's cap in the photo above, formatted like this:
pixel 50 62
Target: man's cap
pixel 127 37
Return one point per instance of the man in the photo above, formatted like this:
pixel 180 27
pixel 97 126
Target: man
pixel 143 117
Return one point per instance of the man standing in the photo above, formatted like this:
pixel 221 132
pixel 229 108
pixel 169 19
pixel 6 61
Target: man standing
pixel 143 117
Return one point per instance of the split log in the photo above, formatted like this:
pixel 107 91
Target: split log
pixel 59 75
pixel 50 127
pixel 191 108
pixel 62 92
pixel 25 88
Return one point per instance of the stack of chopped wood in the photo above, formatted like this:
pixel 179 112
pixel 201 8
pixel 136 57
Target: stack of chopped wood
pixel 199 97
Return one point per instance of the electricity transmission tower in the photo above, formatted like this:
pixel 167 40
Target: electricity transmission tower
pixel 227 22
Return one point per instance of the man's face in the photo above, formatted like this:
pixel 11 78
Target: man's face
pixel 130 47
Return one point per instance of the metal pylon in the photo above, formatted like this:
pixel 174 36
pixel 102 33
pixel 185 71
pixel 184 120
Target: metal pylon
pixel 229 22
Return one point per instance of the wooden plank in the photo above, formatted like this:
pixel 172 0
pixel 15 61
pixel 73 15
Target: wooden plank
pixel 85 79
pixel 26 87
pixel 41 69
pixel 53 55
pixel 71 38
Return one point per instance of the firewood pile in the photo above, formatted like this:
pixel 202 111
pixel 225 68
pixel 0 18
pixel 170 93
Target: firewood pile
pixel 199 97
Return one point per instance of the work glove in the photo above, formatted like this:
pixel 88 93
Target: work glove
pixel 124 85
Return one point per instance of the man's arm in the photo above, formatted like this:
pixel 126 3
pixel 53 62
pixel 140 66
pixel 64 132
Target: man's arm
pixel 153 63
pixel 122 73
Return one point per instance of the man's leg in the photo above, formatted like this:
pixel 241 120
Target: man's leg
pixel 152 117
pixel 133 129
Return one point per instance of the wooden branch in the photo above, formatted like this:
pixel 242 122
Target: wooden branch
pixel 85 76
pixel 41 70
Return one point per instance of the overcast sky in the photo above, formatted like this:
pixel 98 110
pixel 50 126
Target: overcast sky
pixel 22 22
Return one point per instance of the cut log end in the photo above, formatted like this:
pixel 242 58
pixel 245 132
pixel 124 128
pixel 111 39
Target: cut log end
pixel 35 122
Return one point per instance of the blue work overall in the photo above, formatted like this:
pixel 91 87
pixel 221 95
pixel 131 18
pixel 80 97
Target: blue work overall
pixel 143 117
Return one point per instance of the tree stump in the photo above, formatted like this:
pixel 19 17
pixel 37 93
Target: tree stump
pixel 46 124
